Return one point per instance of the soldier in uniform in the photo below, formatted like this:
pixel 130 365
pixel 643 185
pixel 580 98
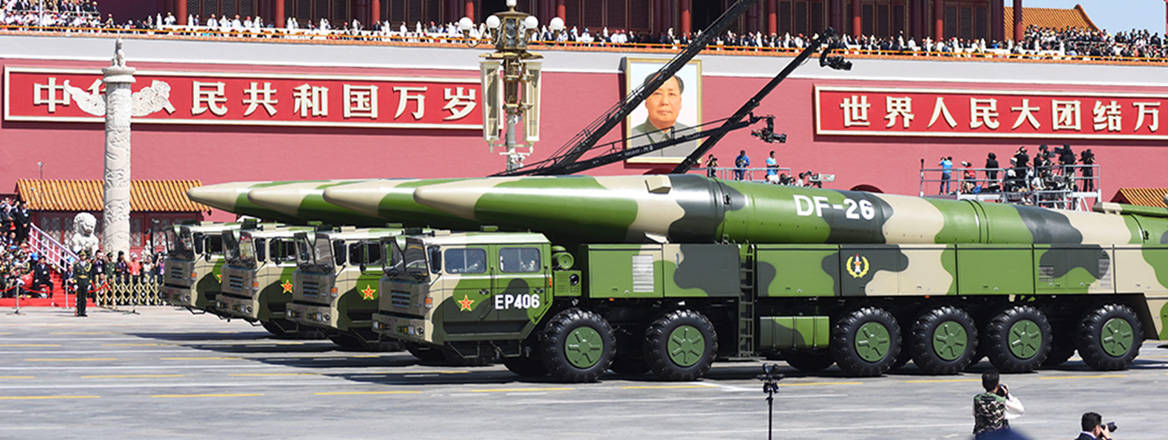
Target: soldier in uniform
pixel 82 277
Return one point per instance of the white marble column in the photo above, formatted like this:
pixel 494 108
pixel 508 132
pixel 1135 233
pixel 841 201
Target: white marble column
pixel 115 232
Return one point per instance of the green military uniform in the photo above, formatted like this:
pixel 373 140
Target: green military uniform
pixel 82 277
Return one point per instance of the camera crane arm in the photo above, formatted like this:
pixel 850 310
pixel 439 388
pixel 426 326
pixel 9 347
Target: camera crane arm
pixel 747 108
pixel 587 138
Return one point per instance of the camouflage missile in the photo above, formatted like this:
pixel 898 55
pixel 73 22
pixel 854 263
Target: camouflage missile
pixel 304 200
pixel 693 209
pixel 392 200
pixel 232 197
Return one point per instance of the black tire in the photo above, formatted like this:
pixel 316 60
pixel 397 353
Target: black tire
pixel 845 335
pixel 809 361
pixel 596 351
pixel 1095 337
pixel 697 360
pixel 525 366
pixel 996 339
pixel 425 354
pixel 629 365
pixel 956 328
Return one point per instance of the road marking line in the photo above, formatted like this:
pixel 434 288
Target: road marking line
pixel 272 374
pixel 941 380
pixel 30 345
pixel 45 397
pixel 170 396
pixel 519 390
pixel 811 384
pixel 148 344
pixel 1101 376
pixel 68 359
pixel 663 387
pixel 199 358
pixel 361 393
pixel 130 376
pixel 17 377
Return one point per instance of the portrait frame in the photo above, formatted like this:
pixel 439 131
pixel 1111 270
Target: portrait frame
pixel 635 71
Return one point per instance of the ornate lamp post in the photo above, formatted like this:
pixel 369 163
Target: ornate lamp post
pixel 511 86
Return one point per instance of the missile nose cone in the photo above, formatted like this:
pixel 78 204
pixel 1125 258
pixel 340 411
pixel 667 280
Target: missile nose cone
pixel 223 196
pixel 364 197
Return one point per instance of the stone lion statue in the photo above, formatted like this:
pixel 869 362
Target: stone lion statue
pixel 82 237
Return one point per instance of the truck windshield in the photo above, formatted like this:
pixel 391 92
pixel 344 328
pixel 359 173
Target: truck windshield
pixel 303 252
pixel 322 253
pixel 415 259
pixel 247 250
pixel 184 245
pixel 393 265
pixel 231 248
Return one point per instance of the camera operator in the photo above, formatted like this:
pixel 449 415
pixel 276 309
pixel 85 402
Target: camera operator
pixel 1094 428
pixel 993 409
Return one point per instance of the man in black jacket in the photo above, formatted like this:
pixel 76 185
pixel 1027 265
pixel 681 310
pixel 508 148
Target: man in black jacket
pixel 42 284
pixel 1093 428
pixel 991 170
pixel 23 221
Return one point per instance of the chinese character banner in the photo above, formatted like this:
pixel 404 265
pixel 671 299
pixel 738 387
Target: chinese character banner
pixel 965 113
pixel 36 94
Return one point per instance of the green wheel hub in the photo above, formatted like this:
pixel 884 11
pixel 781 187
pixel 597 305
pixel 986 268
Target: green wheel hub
pixel 872 341
pixel 583 347
pixel 686 345
pixel 1024 338
pixel 950 340
pixel 1116 336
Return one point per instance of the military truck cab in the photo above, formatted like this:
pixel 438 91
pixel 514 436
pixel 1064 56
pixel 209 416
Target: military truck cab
pixel 193 263
pixel 335 284
pixel 257 276
pixel 453 291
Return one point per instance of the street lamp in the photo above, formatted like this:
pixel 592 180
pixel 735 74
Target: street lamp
pixel 511 86
pixel 41 165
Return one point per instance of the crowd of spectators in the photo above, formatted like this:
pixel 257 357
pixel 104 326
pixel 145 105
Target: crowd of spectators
pixel 1051 174
pixel 1068 43
pixel 51 13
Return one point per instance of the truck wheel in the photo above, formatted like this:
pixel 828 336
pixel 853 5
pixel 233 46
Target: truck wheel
pixel 809 361
pixel 865 342
pixel 577 346
pixel 425 354
pixel 680 345
pixel 944 340
pixel 1017 340
pixel 629 364
pixel 525 366
pixel 1109 337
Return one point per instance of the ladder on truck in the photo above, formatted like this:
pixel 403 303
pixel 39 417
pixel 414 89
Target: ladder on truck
pixel 746 316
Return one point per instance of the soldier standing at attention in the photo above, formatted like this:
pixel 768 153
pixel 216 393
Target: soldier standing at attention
pixel 82 276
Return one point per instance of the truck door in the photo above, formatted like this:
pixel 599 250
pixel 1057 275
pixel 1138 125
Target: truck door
pixel 467 273
pixel 520 284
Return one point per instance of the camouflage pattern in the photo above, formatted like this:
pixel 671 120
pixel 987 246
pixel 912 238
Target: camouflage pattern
pixel 260 289
pixel 295 202
pixel 191 279
pixel 341 297
pixel 393 201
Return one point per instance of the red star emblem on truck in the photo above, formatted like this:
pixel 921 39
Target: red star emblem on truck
pixel 287 286
pixel 368 292
pixel 465 303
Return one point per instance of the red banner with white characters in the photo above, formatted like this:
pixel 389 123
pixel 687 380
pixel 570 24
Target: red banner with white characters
pixel 57 95
pixel 860 111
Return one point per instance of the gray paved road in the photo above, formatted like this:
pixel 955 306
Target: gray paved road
pixel 167 374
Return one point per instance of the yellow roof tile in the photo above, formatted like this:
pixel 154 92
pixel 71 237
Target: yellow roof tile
pixel 1153 197
pixel 89 195
pixel 1053 18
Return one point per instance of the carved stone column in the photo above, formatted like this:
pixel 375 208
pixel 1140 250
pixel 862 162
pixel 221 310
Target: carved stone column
pixel 115 231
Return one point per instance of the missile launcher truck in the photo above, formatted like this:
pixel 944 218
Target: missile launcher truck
pixel 193 263
pixel 665 274
pixel 335 284
pixel 257 277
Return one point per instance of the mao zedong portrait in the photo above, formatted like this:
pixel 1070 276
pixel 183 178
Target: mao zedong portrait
pixel 663 107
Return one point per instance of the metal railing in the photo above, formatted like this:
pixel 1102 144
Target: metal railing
pixel 1074 187
pixel 114 294
pixel 56 254
pixel 781 175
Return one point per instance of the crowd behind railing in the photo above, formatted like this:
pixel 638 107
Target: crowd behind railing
pixel 1056 178
pixel 76 16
